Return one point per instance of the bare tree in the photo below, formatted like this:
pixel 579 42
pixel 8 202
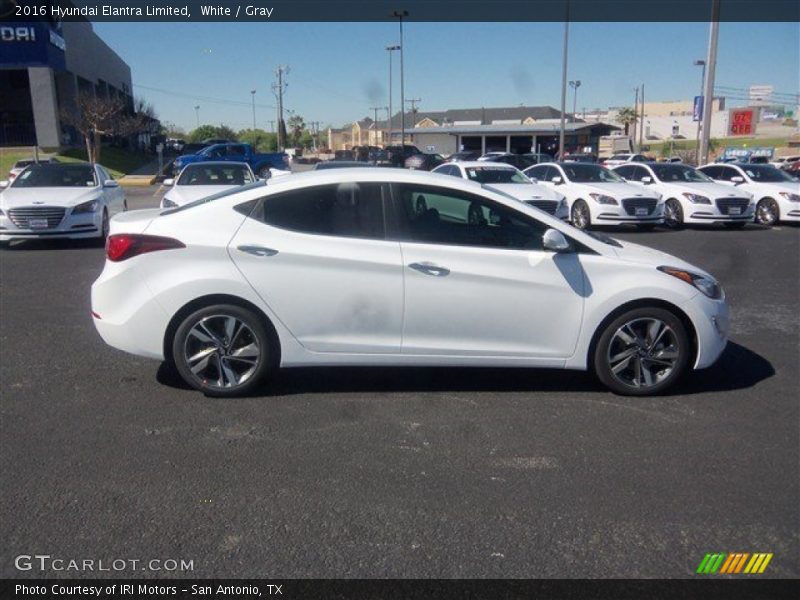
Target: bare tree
pixel 96 116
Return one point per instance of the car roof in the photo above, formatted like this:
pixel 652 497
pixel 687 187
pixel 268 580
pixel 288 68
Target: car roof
pixel 218 163
pixel 480 163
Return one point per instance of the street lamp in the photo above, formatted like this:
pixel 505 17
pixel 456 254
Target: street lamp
pixel 391 49
pixel 399 14
pixel 253 96
pixel 699 63
pixel 574 85
pixel 197 114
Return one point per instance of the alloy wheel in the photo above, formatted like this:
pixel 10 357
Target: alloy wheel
pixel 221 351
pixel 767 212
pixel 672 214
pixel 643 352
pixel 580 215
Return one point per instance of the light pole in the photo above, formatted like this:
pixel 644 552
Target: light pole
pixel 197 114
pixel 561 134
pixel 253 96
pixel 699 63
pixel 391 49
pixel 708 83
pixel 574 85
pixel 399 14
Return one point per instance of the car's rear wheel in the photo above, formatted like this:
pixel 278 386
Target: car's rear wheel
pixel 673 214
pixel 223 350
pixel 642 352
pixel 104 225
pixel 767 212
pixel 581 217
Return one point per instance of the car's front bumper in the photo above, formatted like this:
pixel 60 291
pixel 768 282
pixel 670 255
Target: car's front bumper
pixel 703 213
pixel 71 226
pixel 610 214
pixel 711 320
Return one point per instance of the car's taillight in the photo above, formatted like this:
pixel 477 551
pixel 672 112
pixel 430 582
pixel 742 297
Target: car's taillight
pixel 123 246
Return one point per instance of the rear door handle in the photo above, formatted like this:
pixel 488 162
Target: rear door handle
pixel 430 269
pixel 257 250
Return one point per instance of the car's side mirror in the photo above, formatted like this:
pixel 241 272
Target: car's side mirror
pixel 110 183
pixel 737 179
pixel 557 180
pixel 169 182
pixel 647 179
pixel 555 241
pixel 4 183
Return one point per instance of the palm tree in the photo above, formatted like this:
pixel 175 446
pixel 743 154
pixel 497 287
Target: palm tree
pixel 627 116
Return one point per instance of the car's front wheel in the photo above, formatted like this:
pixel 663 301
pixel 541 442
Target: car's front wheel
pixel 104 225
pixel 767 212
pixel 581 217
pixel 673 214
pixel 642 352
pixel 223 350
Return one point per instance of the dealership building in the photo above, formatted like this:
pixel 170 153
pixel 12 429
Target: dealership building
pixel 44 67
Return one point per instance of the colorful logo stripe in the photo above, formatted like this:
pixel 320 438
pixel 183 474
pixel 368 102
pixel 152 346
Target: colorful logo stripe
pixel 734 563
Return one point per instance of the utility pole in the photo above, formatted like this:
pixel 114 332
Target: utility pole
pixel 253 96
pixel 561 135
pixel 279 88
pixel 197 114
pixel 399 14
pixel 635 114
pixel 641 122
pixel 708 92
pixel 272 126
pixel 375 110
pixel 699 63
pixel 574 85
pixel 391 49
pixel 413 102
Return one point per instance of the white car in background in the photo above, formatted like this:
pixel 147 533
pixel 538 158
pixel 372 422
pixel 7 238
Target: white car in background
pixel 508 180
pixel 198 180
pixel 784 161
pixel 62 200
pixel 689 195
pixel 387 267
pixel 776 194
pixel 598 196
pixel 621 159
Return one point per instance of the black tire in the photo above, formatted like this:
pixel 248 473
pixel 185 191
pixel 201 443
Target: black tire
pixel 737 225
pixel 221 360
pixel 646 227
pixel 263 172
pixel 636 321
pixel 767 212
pixel 580 215
pixel 103 227
pixel 673 207
pixel 125 205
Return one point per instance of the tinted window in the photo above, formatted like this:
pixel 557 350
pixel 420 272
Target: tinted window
pixel 712 172
pixel 766 173
pixel 205 174
pixel 588 173
pixel 673 172
pixel 540 172
pixel 639 172
pixel 441 216
pixel 343 209
pixel 491 174
pixel 625 171
pixel 726 173
pixel 235 151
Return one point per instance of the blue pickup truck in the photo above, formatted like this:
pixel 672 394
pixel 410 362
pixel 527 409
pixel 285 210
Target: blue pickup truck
pixel 260 163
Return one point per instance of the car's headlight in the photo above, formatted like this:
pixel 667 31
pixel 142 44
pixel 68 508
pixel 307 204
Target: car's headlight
pixel 790 196
pixel 603 199
pixel 706 285
pixel 167 203
pixel 86 207
pixel 696 198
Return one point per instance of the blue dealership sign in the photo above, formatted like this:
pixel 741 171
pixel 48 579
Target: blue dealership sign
pixel 697 112
pixel 34 44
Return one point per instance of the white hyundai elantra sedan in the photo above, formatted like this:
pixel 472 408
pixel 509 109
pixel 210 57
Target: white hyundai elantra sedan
pixel 58 200
pixel 598 196
pixel 393 267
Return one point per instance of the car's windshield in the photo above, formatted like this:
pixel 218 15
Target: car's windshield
pixel 765 174
pixel 205 174
pixel 495 175
pixel 588 173
pixel 217 196
pixel 679 173
pixel 56 176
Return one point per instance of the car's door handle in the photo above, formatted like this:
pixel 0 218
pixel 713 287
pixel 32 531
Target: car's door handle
pixel 430 269
pixel 257 250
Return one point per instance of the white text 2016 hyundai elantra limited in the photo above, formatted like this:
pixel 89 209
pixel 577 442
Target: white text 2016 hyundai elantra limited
pixel 393 267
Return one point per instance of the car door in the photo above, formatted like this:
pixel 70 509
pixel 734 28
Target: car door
pixel 477 281
pixel 319 259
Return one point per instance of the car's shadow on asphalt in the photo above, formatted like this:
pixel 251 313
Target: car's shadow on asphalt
pixel 38 245
pixel 737 368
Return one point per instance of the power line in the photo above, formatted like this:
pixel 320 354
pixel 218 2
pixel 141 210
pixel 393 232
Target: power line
pixel 201 98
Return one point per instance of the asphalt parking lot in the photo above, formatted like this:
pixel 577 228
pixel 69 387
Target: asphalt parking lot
pixel 400 472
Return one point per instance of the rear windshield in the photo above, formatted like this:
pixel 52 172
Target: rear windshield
pixel 207 174
pixel 588 173
pixel 495 175
pixel 56 176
